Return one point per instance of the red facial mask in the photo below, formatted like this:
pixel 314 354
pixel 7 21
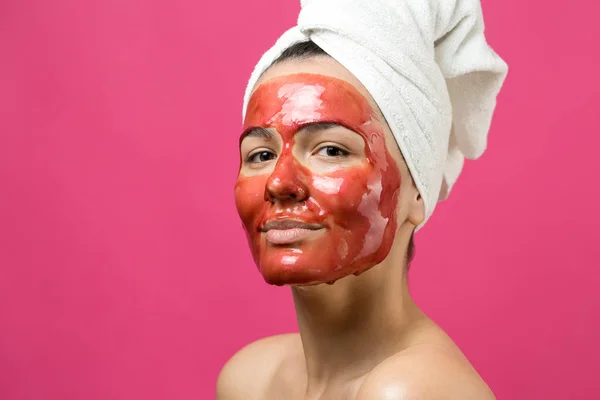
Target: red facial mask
pixel 351 208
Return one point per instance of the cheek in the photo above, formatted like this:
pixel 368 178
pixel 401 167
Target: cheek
pixel 340 194
pixel 355 196
pixel 391 183
pixel 249 197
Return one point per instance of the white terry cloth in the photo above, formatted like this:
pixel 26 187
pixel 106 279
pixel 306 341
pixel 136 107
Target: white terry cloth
pixel 426 64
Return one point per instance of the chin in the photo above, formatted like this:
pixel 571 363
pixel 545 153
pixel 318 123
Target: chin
pixel 281 275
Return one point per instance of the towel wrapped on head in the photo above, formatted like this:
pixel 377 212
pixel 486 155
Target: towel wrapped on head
pixel 426 64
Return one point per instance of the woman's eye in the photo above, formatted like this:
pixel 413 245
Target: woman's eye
pixel 261 156
pixel 332 151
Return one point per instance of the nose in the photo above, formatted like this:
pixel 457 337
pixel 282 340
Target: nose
pixel 286 183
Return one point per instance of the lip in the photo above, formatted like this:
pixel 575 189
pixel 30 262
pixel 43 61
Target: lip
pixel 287 224
pixel 288 231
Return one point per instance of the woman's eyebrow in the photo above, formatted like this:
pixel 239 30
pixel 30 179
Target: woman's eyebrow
pixel 258 132
pixel 318 126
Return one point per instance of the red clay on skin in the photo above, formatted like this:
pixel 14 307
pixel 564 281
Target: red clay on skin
pixel 358 214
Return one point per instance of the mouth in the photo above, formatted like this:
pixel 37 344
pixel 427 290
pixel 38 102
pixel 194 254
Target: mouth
pixel 289 231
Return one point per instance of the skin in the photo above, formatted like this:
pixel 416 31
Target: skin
pixel 316 149
pixel 361 337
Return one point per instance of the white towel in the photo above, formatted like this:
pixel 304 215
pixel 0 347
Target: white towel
pixel 426 64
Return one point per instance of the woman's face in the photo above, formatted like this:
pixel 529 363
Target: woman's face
pixel 318 189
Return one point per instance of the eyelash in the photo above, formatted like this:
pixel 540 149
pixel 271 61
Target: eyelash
pixel 343 153
pixel 251 156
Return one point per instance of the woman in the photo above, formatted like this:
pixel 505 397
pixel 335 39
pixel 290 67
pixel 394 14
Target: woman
pixel 338 169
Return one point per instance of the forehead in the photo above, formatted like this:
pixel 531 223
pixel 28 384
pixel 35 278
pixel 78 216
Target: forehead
pixel 291 101
pixel 320 65
pixel 317 82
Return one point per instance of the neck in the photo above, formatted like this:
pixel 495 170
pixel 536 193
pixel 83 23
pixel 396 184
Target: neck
pixel 348 328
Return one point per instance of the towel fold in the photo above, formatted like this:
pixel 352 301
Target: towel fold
pixel 426 64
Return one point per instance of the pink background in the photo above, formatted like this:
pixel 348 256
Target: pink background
pixel 124 272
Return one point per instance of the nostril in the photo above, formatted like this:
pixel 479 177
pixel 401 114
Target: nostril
pixel 285 188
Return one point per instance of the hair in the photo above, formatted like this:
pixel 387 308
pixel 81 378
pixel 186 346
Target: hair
pixel 301 51
pixel 309 49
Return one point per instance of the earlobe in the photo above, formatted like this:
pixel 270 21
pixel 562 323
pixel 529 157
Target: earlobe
pixel 417 210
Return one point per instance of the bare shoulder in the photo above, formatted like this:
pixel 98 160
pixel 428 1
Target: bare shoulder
pixel 425 372
pixel 248 374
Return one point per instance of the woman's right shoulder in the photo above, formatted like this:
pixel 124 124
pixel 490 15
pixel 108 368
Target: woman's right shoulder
pixel 249 373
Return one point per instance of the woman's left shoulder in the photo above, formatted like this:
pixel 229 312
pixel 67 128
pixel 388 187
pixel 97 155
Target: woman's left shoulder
pixel 425 371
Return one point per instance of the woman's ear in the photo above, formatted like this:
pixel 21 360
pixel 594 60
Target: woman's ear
pixel 416 208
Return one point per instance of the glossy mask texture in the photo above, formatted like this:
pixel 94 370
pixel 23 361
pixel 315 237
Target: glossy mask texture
pixel 352 204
